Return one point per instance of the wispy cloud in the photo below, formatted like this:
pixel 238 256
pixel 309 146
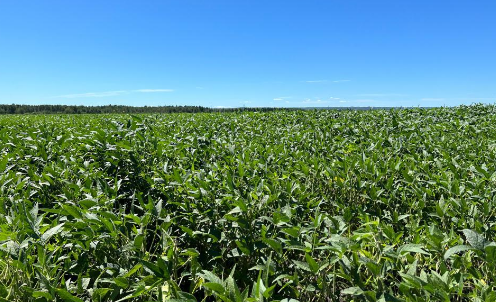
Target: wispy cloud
pixel 330 100
pixel 110 93
pixel 281 98
pixel 341 81
pixel 309 101
pixel 315 101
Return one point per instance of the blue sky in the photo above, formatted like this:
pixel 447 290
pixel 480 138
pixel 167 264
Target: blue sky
pixel 235 53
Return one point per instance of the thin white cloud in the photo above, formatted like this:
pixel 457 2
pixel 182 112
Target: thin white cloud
pixel 316 101
pixel 309 101
pixel 153 90
pixel 341 81
pixel 109 93
pixel 281 98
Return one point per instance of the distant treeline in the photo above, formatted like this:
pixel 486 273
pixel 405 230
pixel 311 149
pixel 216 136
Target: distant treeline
pixel 69 109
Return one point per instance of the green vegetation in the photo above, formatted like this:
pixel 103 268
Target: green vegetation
pixel 385 205
pixel 71 109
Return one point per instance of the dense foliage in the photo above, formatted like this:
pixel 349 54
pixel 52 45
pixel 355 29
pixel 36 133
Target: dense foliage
pixel 81 109
pixel 72 109
pixel 386 205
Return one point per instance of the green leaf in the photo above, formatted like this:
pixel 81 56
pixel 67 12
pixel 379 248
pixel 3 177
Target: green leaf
pixel 355 291
pixel 67 296
pixel 3 163
pixel 474 239
pixel 51 232
pixel 154 270
pixel 412 248
pixel 121 282
pixel 216 287
pixel 133 270
pixel 292 231
pixel 209 276
pixel 269 291
pixel 276 245
pixel 137 292
pixel 490 253
pixel 302 265
pixel 3 291
pixel 73 211
pixel 99 293
pixel 243 247
pixel 456 249
pixel 314 266
pixel 138 241
pixel 41 294
pixel 183 297
pixel 87 203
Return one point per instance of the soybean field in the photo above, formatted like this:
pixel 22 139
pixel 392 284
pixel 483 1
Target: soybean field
pixel 288 206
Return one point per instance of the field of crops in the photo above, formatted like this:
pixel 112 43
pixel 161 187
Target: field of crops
pixel 385 205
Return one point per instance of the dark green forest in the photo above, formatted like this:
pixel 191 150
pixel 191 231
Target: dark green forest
pixel 70 109
pixel 106 109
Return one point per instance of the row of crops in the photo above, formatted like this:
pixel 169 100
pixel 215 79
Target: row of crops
pixel 383 205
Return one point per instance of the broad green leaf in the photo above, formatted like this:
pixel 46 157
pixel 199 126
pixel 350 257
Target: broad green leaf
pixel 456 249
pixel 355 291
pixel 474 239
pixel 42 294
pixel 276 245
pixel 216 287
pixel 313 265
pixel 67 296
pixel 51 232
pixel 121 282
pixel 3 291
pixel 412 248
pixel 302 265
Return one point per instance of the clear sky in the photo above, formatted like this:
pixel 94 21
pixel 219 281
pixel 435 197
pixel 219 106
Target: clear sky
pixel 235 53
